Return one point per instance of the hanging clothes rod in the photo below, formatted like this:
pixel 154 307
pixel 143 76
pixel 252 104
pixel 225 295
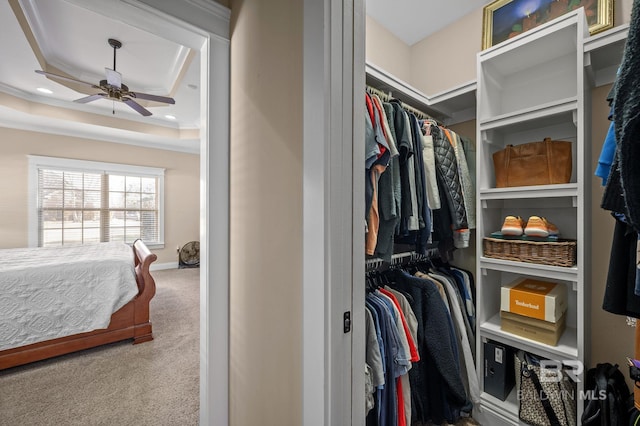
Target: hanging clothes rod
pixel 401 259
pixel 387 97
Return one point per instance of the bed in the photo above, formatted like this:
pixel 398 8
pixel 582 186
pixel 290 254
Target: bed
pixel 45 310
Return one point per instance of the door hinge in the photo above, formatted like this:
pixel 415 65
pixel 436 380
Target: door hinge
pixel 347 321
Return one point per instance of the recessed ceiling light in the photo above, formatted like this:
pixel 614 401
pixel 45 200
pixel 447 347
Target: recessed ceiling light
pixel 43 90
pixel 170 117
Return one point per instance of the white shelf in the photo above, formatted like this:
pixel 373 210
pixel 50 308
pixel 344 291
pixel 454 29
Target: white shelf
pixel 547 42
pixel 545 115
pixel 533 269
pixel 604 53
pixel 507 408
pixel 607 39
pixel 567 347
pixel 548 33
pixel 534 191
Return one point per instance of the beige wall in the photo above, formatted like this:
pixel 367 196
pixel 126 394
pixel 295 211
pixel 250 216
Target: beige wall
pixel 387 51
pixel 266 213
pixel 622 11
pixel 447 58
pixel 182 180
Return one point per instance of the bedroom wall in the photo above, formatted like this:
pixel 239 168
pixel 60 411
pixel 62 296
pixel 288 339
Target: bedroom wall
pixel 266 213
pixel 182 182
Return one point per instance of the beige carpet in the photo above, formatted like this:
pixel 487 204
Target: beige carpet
pixel 154 383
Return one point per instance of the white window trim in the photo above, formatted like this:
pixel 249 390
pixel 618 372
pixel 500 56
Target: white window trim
pixel 37 162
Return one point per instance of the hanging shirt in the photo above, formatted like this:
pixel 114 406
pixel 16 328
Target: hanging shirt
pixel 414 219
pixel 406 151
pixel 464 340
pixel 403 328
pixel 425 216
pixel 464 284
pixel 429 160
pixel 377 168
pixel 388 207
pixel 439 393
pixel 395 176
pixel 373 353
pixel 412 324
pixel 406 352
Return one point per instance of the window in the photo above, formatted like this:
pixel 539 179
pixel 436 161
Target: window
pixel 78 202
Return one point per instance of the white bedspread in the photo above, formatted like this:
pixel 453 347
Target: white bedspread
pixel 46 293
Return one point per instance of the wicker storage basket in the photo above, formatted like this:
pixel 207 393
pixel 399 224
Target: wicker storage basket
pixel 556 253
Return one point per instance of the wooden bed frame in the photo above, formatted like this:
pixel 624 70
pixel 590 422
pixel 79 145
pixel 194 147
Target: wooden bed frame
pixel 129 322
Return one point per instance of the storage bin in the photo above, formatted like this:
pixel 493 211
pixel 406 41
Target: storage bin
pixel 556 253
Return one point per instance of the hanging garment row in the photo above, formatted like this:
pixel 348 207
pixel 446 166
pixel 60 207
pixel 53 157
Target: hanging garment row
pixel 420 344
pixel 419 186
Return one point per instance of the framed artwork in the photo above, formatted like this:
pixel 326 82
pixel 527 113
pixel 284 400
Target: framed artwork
pixel 504 19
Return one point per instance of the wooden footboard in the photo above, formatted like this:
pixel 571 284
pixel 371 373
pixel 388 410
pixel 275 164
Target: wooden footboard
pixel 129 322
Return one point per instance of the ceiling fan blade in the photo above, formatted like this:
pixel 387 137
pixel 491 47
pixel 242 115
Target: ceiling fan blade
pixel 136 106
pixel 114 78
pixel 72 80
pixel 149 97
pixel 90 98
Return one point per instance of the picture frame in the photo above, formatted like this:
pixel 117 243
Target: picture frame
pixel 504 19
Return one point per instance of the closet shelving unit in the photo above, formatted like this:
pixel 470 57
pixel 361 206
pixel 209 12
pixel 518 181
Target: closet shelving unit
pixel 531 87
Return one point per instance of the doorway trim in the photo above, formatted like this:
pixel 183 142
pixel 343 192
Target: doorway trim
pixel 333 86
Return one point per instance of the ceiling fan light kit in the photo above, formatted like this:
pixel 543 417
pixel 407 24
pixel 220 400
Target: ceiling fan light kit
pixel 113 88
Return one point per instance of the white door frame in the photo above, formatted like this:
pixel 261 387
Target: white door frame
pixel 333 164
pixel 202 25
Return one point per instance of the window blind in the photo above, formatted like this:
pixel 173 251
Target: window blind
pixel 87 206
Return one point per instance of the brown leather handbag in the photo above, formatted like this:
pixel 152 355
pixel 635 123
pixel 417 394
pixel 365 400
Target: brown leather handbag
pixel 534 163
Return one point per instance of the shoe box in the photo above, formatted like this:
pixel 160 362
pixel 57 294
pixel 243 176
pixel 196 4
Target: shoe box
pixel 541 331
pixel 535 299
pixel 499 374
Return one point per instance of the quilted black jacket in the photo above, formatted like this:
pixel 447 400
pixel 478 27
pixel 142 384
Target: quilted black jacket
pixel 447 170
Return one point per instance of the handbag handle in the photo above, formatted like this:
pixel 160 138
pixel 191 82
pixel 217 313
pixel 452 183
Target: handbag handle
pixel 547 143
pixel 507 158
pixel 548 409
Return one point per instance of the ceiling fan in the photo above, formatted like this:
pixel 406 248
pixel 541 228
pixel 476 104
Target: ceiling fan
pixel 113 88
